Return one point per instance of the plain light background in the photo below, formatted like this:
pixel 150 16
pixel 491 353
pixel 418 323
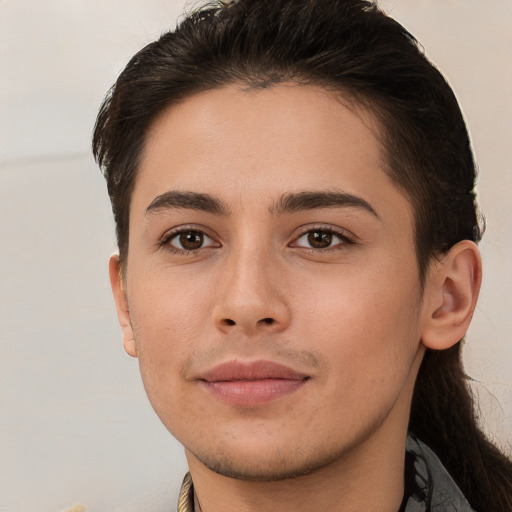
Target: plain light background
pixel 75 425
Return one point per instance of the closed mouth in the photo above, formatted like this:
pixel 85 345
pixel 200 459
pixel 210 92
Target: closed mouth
pixel 252 383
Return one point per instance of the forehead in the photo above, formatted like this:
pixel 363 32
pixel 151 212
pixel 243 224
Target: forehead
pixel 239 143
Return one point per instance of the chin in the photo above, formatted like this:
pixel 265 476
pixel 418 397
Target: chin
pixel 273 462
pixel 272 469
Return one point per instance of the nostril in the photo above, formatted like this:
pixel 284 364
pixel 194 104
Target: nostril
pixel 267 321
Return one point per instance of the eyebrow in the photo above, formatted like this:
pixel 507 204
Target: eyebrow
pixel 187 200
pixel 288 203
pixel 295 202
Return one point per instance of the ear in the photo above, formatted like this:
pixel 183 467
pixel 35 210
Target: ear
pixel 450 296
pixel 123 311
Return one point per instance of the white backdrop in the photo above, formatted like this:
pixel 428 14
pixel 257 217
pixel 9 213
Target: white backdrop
pixel 75 426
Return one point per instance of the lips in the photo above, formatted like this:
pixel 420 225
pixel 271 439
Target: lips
pixel 251 384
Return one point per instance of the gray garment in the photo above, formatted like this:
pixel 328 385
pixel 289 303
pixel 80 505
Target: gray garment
pixel 437 490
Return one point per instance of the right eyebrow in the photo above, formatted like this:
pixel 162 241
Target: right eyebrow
pixel 174 199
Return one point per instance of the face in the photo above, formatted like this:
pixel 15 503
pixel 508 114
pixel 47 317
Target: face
pixel 272 288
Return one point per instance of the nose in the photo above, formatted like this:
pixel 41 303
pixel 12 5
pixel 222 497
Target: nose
pixel 252 296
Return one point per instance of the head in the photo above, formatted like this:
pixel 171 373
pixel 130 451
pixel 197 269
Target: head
pixel 321 68
pixel 350 48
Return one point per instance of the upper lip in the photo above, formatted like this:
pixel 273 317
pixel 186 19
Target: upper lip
pixel 236 370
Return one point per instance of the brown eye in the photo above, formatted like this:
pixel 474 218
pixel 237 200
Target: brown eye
pixel 319 239
pixel 190 240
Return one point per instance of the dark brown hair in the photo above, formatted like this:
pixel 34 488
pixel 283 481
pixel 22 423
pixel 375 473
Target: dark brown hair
pixel 350 47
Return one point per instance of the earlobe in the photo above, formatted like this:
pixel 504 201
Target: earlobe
pixel 121 301
pixel 451 293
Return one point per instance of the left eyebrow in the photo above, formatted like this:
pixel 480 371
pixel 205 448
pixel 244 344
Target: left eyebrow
pixel 295 202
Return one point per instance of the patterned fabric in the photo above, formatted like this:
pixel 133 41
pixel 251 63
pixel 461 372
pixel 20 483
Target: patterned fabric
pixel 432 489
pixel 428 486
pixel 187 495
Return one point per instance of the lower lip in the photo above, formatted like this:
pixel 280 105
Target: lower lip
pixel 253 392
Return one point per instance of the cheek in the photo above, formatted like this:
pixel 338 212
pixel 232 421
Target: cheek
pixel 168 318
pixel 165 327
pixel 363 322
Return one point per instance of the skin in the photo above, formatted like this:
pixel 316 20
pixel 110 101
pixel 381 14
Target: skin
pixel 344 307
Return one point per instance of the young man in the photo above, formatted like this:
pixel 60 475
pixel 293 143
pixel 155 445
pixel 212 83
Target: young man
pixel 292 185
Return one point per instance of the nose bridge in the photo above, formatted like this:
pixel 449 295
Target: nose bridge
pixel 251 297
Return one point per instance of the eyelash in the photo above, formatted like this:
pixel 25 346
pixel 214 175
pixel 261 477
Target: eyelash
pixel 342 235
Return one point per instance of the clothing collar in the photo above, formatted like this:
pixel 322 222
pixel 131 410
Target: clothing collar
pixel 187 496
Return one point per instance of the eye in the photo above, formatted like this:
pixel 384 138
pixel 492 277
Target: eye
pixel 189 240
pixel 320 239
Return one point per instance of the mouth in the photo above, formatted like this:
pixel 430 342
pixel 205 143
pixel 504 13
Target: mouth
pixel 252 383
